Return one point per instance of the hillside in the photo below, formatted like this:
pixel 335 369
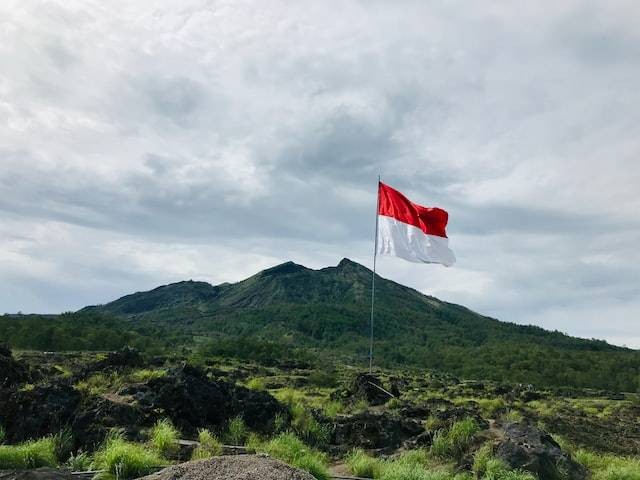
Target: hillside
pixel 293 309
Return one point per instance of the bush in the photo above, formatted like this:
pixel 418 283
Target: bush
pixel 454 442
pixel 126 460
pixel 32 454
pixel 164 438
pixel 209 446
pixel 237 431
pixel 363 465
pixel 290 449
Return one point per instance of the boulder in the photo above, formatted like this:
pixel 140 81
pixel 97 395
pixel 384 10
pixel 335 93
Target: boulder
pixel 235 467
pixel 365 387
pixel 12 372
pixel 525 446
pixel 371 430
pixel 192 400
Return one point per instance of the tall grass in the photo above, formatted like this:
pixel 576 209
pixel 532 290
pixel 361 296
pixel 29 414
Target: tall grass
pixel 79 462
pixel 164 438
pixel 237 431
pixel 608 466
pixel 3 434
pixel 32 454
pixel 454 442
pixel 290 449
pixel 363 465
pixel 126 460
pixel 303 422
pixel 209 446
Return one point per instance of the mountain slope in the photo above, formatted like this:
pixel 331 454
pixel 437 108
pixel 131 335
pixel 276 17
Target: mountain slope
pixel 290 307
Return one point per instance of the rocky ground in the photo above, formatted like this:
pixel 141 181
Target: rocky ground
pixel 89 395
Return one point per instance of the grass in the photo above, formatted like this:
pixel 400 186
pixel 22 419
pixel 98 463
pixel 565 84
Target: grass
pixel 125 460
pixel 608 466
pixel 513 416
pixel 487 467
pixel 209 446
pixel 454 442
pixel 257 383
pixel 237 431
pixel 363 465
pixel 80 462
pixel 303 422
pixel 290 449
pixel 31 454
pixel 3 434
pixel 164 438
pixel 100 383
pixel 145 374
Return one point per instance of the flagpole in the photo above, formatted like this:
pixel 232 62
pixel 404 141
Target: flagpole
pixel 373 277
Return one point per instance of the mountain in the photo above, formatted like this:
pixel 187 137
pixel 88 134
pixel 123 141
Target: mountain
pixel 291 308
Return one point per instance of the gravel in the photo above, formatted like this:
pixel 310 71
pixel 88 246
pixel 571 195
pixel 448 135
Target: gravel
pixel 233 467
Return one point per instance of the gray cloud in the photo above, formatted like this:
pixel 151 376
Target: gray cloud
pixel 145 144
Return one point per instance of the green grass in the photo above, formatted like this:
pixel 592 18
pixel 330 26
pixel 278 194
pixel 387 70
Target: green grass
pixel 164 438
pixel 237 431
pixel 32 454
pixel 513 416
pixel 363 465
pixel 453 443
pixel 125 460
pixel 290 449
pixel 145 374
pixel 303 422
pixel 100 383
pixel 487 467
pixel 79 462
pixel 209 446
pixel 257 383
pixel 3 434
pixel 608 466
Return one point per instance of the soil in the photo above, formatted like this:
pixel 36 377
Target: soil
pixel 239 467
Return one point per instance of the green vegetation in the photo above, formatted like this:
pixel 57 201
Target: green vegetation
pixel 79 462
pixel 32 454
pixel 303 421
pixel 321 311
pixel 454 442
pixel 3 434
pixel 290 449
pixel 237 431
pixel 164 438
pixel 609 467
pixel 209 446
pixel 125 460
pixel 363 465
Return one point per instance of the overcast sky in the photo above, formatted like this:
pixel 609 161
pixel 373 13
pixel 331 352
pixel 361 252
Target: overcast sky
pixel 145 142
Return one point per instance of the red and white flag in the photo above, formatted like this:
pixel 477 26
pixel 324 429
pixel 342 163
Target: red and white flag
pixel 411 231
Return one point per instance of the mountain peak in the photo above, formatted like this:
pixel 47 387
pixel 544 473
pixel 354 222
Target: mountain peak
pixel 283 269
pixel 347 264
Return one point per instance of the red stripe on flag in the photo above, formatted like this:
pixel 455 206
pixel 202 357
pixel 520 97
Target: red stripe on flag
pixel 392 203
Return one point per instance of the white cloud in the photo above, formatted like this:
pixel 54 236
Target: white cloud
pixel 141 137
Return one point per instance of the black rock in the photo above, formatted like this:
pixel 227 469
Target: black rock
pixel 12 372
pixel 525 446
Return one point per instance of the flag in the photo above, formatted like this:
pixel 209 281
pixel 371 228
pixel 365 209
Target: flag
pixel 411 231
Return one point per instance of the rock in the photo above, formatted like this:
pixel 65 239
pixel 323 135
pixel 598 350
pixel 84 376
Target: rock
pixel 12 372
pixel 127 357
pixel 526 447
pixel 39 412
pixel 370 430
pixel 36 474
pixel 364 387
pixel 236 467
pixel 192 400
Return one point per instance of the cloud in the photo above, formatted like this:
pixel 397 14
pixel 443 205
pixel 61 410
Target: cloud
pixel 146 142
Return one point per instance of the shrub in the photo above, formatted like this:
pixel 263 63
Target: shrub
pixel 290 449
pixel 209 446
pixel 32 454
pixel 237 431
pixel 491 406
pixel 332 408
pixel 363 465
pixel 320 378
pixel 126 460
pixel 455 441
pixel 513 416
pixel 164 438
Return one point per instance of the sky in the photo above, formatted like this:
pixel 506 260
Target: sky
pixel 143 143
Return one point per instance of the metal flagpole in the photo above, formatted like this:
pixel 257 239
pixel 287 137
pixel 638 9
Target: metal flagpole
pixel 373 277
